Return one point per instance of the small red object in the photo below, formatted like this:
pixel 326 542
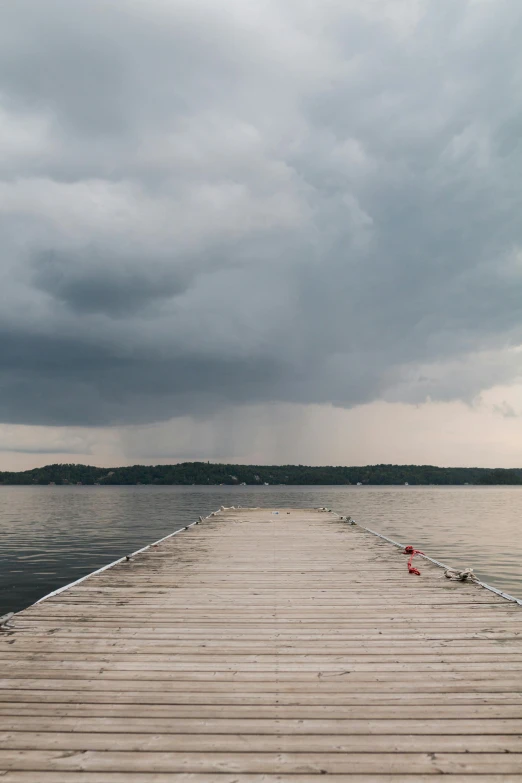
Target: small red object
pixel 409 550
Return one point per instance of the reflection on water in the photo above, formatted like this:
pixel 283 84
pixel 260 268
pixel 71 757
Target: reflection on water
pixel 52 535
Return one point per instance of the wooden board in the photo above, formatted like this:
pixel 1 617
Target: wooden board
pixel 259 647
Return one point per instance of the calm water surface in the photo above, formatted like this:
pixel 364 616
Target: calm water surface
pixel 50 536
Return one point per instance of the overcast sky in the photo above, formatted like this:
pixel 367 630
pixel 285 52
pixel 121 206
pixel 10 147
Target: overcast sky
pixel 261 230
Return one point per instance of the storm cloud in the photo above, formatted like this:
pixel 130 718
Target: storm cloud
pixel 205 204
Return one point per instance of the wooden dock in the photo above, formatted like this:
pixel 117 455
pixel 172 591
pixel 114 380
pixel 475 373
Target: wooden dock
pixel 261 647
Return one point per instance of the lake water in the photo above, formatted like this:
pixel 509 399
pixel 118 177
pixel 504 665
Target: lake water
pixel 50 536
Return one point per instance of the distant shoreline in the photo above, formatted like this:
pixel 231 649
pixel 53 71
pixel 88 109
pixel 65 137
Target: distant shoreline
pixel 222 474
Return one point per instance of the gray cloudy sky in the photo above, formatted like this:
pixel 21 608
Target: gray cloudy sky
pixel 268 230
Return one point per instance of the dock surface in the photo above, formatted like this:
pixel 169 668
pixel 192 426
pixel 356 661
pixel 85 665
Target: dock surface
pixel 258 647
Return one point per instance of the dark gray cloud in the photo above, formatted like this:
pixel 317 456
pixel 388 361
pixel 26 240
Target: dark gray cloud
pixel 93 281
pixel 204 204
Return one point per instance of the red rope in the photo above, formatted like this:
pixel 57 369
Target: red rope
pixel 409 550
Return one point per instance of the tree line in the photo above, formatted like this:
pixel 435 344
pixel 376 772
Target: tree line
pixel 206 473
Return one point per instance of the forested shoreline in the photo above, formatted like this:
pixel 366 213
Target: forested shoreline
pixel 206 473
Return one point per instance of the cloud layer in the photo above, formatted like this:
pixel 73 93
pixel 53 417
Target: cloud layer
pixel 205 204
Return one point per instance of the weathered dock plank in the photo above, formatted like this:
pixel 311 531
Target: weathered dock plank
pixel 259 647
